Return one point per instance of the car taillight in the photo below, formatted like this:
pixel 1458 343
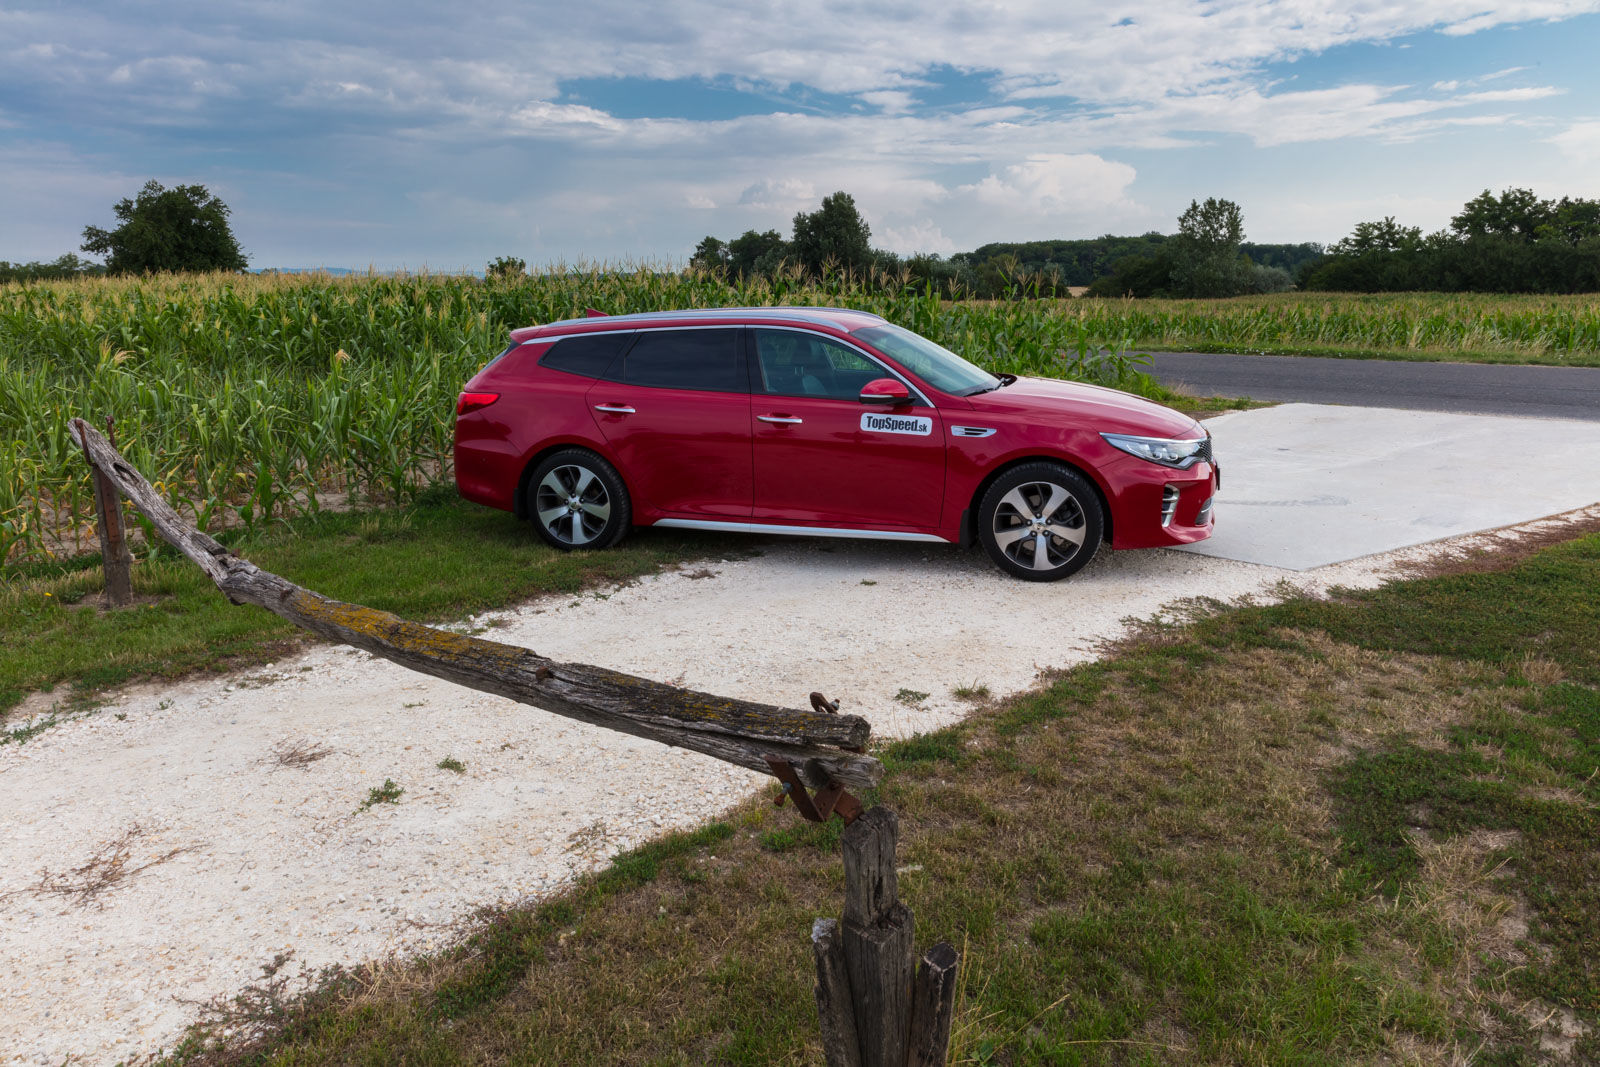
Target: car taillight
pixel 473 401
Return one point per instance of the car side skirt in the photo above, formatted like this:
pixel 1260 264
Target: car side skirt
pixel 797 531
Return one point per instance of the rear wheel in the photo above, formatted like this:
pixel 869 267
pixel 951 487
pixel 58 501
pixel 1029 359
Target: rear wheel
pixel 1040 522
pixel 577 500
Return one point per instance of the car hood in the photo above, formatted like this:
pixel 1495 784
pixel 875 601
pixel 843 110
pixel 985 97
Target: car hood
pixel 1091 406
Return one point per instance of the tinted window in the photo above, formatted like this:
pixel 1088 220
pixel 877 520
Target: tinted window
pixel 686 359
pixel 589 355
pixel 793 363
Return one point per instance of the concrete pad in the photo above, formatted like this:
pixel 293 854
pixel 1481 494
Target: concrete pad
pixel 1305 485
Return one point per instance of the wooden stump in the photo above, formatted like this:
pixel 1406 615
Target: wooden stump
pixel 869 1012
pixel 114 554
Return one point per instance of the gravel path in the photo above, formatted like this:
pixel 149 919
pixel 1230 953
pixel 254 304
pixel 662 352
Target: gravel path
pixel 253 857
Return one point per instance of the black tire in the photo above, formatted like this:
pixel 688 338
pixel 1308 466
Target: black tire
pixel 1012 518
pixel 578 500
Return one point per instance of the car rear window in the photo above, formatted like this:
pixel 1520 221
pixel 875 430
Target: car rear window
pixel 589 355
pixel 706 360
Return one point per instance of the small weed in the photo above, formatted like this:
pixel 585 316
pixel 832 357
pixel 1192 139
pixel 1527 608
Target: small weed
pixel 387 793
pixel 868 581
pixel 450 763
pixel 164 705
pixel 910 697
pixel 975 692
pixel 414 704
pixel 703 572
pixel 122 716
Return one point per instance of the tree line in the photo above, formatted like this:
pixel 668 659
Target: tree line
pixel 1206 257
pixel 1515 242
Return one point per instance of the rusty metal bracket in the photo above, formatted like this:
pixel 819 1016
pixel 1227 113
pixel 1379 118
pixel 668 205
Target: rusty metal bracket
pixel 831 799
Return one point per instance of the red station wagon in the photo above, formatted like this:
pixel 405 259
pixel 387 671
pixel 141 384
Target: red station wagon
pixel 821 422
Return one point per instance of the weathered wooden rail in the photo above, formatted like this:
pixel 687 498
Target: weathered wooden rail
pixel 877 1007
pixel 817 745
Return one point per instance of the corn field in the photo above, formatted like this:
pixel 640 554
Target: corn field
pixel 251 398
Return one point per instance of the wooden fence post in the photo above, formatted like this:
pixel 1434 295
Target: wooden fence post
pixel 114 554
pixel 883 1020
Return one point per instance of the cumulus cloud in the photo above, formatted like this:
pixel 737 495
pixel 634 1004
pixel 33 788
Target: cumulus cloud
pixel 1052 184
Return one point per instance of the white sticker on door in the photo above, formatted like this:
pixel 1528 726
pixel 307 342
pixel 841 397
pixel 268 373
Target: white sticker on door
pixel 912 424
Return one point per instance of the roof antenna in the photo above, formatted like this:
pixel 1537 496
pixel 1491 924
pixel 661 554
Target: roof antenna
pixel 591 313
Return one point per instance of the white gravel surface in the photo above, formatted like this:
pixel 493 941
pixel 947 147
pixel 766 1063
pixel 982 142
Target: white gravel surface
pixel 278 859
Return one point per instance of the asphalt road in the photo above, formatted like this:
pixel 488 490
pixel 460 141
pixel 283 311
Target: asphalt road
pixel 1468 388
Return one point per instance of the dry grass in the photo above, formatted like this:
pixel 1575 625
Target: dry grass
pixel 108 867
pixel 1501 550
pixel 301 753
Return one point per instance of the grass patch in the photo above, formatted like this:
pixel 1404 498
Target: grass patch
pixel 450 763
pixel 436 560
pixel 1289 834
pixel 387 793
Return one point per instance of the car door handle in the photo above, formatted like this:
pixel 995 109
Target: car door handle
pixel 789 419
pixel 614 409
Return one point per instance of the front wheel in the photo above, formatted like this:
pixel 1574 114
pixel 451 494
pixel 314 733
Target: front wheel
pixel 577 500
pixel 1040 522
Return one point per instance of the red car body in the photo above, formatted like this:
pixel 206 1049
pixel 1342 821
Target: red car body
pixel 819 465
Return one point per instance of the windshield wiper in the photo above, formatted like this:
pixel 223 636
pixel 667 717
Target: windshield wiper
pixel 1005 380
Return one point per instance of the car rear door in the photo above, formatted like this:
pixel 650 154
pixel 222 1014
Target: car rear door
pixel 822 456
pixel 676 414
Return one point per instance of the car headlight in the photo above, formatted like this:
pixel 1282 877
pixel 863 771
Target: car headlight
pixel 1168 452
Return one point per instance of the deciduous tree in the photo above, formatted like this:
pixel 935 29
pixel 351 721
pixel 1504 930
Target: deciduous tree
pixel 184 228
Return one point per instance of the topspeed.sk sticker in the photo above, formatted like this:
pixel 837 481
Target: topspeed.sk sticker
pixel 919 425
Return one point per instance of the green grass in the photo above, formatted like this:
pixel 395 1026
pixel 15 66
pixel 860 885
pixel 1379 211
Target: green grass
pixel 389 792
pixel 438 559
pixel 1287 834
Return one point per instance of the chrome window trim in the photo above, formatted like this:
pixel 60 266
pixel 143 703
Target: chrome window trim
pixel 889 372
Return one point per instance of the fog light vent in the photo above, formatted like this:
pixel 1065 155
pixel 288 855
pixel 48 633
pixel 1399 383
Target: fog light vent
pixel 1169 504
pixel 1205 512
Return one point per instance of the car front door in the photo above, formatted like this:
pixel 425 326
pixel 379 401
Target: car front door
pixel 676 413
pixel 822 456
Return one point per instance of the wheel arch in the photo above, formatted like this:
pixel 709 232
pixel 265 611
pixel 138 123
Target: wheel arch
pixel 969 523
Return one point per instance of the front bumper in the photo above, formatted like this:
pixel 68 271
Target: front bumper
pixel 1154 506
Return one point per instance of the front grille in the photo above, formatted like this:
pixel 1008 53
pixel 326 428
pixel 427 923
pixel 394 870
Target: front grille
pixel 1205 451
pixel 1169 504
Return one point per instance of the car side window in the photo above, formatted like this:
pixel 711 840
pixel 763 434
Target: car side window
pixel 587 354
pixel 795 363
pixel 706 360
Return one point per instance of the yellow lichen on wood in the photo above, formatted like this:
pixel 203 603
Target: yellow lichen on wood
pixel 407 636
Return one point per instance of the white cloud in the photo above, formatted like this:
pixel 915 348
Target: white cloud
pixel 922 235
pixel 785 194
pixel 1052 184
pixel 1580 141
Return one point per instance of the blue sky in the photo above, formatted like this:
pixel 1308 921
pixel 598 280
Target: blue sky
pixel 404 134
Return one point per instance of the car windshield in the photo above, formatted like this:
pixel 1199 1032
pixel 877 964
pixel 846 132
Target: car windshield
pixel 937 365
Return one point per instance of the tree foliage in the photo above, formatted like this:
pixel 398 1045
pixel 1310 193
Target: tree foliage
pixel 1206 260
pixel 184 228
pixel 835 235
pixel 67 266
pixel 506 269
pixel 1513 242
